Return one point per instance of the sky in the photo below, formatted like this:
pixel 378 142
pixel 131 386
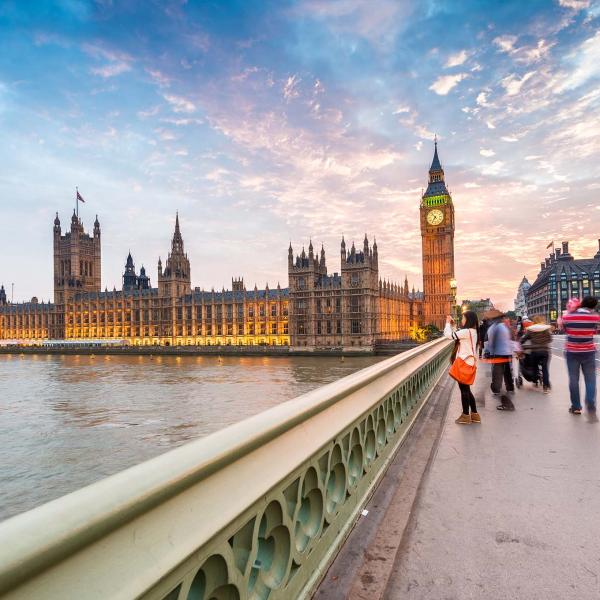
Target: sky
pixel 276 121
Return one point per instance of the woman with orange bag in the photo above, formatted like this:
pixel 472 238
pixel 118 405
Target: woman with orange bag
pixel 464 365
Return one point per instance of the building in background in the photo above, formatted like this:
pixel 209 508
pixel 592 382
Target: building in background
pixel 170 314
pixel 521 299
pixel 351 309
pixel 478 306
pixel 77 260
pixel 561 277
pixel 437 240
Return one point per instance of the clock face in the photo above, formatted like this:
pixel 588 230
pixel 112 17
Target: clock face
pixel 435 217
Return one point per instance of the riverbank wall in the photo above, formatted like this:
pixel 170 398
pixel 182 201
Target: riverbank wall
pixel 383 350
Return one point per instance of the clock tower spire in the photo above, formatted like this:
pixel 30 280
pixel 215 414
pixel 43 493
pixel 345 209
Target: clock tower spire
pixel 437 236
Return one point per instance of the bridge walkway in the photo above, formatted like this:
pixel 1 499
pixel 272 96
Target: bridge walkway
pixel 509 509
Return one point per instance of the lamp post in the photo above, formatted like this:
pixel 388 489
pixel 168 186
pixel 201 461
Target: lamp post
pixel 454 311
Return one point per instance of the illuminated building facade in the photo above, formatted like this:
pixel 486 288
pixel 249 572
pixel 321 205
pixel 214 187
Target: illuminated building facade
pixel 562 277
pixel 437 237
pixel 171 314
pixel 351 309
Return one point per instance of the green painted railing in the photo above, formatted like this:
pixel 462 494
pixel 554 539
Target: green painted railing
pixel 255 511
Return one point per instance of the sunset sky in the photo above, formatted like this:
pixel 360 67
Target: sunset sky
pixel 265 122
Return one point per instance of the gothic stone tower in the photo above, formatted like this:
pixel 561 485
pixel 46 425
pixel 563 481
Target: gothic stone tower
pixel 175 280
pixel 76 260
pixel 360 281
pixel 437 235
pixel 129 276
pixel 305 275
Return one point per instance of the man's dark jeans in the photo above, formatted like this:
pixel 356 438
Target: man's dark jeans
pixel 586 362
pixel 540 359
pixel 502 371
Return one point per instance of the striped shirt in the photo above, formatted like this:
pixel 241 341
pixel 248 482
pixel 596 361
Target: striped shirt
pixel 580 327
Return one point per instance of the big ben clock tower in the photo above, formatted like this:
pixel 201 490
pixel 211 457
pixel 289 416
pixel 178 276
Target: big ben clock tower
pixel 437 235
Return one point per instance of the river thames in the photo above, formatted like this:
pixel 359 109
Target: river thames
pixel 66 421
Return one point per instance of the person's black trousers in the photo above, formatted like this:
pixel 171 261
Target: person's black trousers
pixel 540 359
pixel 467 399
pixel 502 371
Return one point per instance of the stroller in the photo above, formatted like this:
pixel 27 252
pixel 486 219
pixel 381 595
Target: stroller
pixel 528 370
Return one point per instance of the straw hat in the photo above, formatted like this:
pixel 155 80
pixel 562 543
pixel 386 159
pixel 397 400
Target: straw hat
pixel 493 313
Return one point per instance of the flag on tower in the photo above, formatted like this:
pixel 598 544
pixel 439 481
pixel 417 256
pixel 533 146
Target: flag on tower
pixel 80 197
pixel 550 245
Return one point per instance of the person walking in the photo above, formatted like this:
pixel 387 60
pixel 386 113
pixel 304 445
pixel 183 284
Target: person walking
pixel 538 339
pixel 499 352
pixel 482 336
pixel 466 339
pixel 580 352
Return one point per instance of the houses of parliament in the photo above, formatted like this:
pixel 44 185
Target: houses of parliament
pixel 349 309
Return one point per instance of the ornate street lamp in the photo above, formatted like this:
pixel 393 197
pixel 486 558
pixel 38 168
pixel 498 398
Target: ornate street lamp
pixel 455 309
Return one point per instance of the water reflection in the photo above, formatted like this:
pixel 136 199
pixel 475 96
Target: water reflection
pixel 66 421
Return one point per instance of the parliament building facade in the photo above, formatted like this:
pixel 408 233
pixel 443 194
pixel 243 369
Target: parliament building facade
pixel 349 309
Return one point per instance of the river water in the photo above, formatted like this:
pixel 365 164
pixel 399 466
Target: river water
pixel 66 421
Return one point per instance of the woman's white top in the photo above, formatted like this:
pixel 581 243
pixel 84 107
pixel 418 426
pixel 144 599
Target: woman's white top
pixel 467 342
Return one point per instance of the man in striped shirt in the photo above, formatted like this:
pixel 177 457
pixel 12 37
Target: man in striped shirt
pixel 580 326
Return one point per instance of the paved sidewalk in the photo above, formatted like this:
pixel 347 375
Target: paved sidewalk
pixel 510 509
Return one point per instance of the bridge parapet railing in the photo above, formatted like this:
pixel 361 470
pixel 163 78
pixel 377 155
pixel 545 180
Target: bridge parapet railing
pixel 254 511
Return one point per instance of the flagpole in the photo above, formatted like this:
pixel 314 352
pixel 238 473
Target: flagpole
pixel 77 201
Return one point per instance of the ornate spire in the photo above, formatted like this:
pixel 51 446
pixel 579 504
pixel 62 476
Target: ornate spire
pixel 436 185
pixel 177 243
pixel 435 163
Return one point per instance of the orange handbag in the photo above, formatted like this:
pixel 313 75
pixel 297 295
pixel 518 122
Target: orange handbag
pixel 461 370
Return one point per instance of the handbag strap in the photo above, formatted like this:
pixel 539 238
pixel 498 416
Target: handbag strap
pixel 472 349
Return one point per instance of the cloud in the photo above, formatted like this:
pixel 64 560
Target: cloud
pixel 512 84
pixel 457 59
pixel 150 112
pixel 509 138
pixel 424 133
pixel 487 153
pixel 533 54
pixel 574 4
pixel 358 19
pixel 494 169
pixel 586 61
pixel 401 110
pixel 118 61
pixel 482 98
pixel 111 70
pixel 290 88
pixel 505 43
pixel 443 84
pixel 179 104
pixel 159 77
